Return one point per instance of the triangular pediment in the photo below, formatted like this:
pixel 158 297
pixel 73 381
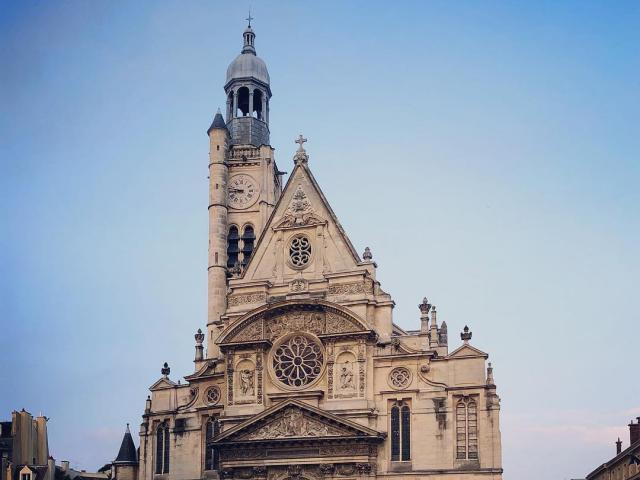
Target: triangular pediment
pixel 295 420
pixel 164 382
pixel 466 351
pixel 301 210
pixel 207 370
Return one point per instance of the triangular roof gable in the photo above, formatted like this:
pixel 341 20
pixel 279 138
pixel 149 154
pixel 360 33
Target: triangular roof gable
pixel 260 426
pixel 467 350
pixel 207 370
pixel 164 382
pixel 300 178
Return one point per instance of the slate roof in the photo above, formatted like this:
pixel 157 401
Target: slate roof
pixel 127 453
pixel 218 122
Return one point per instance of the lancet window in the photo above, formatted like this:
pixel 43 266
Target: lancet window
pixel 248 240
pixel 466 429
pixel 400 432
pixel 233 240
pixel 212 458
pixel 162 448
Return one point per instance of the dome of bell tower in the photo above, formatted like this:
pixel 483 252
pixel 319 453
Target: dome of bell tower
pixel 248 64
pixel 248 94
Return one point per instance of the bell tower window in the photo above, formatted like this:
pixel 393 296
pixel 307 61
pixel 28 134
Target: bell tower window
pixel 243 102
pixel 257 104
pixel 233 250
pixel 248 241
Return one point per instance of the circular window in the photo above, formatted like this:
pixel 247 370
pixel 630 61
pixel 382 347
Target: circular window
pixel 297 360
pixel 400 378
pixel 212 395
pixel 300 251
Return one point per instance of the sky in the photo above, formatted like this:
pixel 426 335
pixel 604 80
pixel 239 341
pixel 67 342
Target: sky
pixel 486 152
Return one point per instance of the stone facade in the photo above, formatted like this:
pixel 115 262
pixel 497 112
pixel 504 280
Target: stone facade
pixel 305 374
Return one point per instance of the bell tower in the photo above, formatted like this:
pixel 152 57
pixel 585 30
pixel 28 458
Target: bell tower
pixel 245 183
pixel 248 94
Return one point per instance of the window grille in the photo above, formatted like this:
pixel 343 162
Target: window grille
pixel 466 429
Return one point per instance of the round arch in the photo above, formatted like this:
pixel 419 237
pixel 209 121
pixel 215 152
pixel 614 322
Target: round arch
pixel 316 315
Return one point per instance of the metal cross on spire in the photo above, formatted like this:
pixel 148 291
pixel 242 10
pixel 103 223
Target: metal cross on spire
pixel 300 141
pixel 249 18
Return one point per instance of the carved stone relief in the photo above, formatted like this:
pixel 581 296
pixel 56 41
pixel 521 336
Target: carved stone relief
pixel 293 423
pixel 352 288
pixel 316 322
pixel 236 300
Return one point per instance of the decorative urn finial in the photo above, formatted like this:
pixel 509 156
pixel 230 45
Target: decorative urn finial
pixel 199 336
pixel 466 334
pixel 165 369
pixel 425 306
pixel 367 255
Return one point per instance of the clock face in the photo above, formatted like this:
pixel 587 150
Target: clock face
pixel 243 191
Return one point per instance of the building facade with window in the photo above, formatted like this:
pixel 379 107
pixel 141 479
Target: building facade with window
pixel 301 372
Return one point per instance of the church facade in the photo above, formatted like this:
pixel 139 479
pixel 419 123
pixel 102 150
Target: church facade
pixel 305 375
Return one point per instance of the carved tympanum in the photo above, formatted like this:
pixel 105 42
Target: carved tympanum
pixel 293 423
pixel 275 326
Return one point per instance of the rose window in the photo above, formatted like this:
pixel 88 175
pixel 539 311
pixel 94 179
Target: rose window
pixel 212 395
pixel 298 361
pixel 300 251
pixel 400 377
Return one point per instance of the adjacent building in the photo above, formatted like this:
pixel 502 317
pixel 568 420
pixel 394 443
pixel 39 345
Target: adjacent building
pixel 301 371
pixel 626 463
pixel 24 448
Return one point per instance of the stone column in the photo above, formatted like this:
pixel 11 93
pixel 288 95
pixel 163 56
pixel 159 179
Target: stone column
pixel 235 104
pixel 264 107
pixel 251 103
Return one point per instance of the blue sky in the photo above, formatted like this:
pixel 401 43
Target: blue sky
pixel 487 152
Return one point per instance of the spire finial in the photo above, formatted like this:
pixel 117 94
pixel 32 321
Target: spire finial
pixel 128 431
pixel 249 18
pixel 301 154
pixel 300 141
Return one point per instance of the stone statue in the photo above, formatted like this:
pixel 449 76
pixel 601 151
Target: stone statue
pixel 346 377
pixel 246 382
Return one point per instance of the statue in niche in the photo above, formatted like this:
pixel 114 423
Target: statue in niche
pixel 246 382
pixel 346 376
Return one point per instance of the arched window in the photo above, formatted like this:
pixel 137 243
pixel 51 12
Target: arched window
pixel 257 104
pixel 467 429
pixel 211 458
pixel 230 112
pixel 232 246
pixel 400 432
pixel 162 448
pixel 243 102
pixel 248 240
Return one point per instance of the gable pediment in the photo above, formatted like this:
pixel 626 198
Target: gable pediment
pixel 295 420
pixel 301 210
pixel 163 383
pixel 466 351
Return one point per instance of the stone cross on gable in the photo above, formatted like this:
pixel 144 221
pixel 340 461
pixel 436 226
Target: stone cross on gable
pixel 300 141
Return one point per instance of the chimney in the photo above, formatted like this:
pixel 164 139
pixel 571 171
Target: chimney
pixel 618 446
pixel 634 431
